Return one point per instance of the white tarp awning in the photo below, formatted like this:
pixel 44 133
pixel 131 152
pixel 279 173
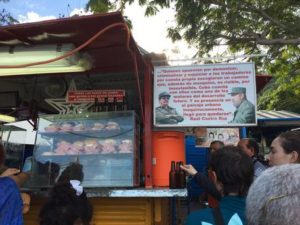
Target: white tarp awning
pixel 26 136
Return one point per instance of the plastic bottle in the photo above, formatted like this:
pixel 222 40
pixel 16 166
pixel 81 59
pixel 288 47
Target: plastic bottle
pixel 172 176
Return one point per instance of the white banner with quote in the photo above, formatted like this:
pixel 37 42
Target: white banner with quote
pixel 211 95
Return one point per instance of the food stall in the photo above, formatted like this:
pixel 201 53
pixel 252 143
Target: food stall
pixel 87 89
pixel 270 124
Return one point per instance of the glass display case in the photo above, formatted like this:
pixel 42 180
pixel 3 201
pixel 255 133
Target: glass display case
pixel 105 144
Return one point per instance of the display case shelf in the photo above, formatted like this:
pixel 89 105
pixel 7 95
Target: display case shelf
pixel 90 134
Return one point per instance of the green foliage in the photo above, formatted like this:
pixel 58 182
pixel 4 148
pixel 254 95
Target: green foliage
pixel 5 16
pixel 104 6
pixel 101 6
pixel 283 93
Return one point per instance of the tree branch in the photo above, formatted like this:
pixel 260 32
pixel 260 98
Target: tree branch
pixel 279 41
pixel 261 41
pixel 250 8
pixel 268 17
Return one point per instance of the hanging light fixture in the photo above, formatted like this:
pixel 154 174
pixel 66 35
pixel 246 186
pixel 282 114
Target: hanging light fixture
pixel 7 119
pixel 18 57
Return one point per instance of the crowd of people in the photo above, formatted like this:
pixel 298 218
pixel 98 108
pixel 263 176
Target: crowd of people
pixel 246 190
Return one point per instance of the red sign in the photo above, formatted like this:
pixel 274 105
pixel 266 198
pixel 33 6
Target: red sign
pixel 78 96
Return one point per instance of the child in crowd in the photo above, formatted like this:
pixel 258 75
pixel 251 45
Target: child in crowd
pixel 67 203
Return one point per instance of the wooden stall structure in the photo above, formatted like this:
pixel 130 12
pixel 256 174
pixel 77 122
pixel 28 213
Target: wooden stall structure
pixel 95 52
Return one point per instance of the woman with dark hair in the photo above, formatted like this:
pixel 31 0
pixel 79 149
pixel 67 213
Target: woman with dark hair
pixel 66 205
pixel 232 172
pixel 285 148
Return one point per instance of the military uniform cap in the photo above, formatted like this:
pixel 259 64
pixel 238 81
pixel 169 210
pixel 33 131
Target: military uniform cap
pixel 164 94
pixel 237 90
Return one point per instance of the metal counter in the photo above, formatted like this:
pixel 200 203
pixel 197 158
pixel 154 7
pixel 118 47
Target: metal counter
pixel 137 192
pixel 123 192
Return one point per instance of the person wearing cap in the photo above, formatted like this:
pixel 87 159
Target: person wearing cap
pixel 245 110
pixel 164 114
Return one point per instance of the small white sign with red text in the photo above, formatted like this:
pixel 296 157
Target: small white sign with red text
pixel 78 96
pixel 212 95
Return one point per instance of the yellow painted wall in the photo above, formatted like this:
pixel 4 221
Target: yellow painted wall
pixel 117 211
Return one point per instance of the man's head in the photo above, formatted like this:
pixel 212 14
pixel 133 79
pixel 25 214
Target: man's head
pixel 216 145
pixel 249 146
pixel 238 95
pixel 233 170
pixel 274 197
pixel 163 98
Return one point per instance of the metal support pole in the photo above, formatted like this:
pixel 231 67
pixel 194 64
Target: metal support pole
pixel 148 126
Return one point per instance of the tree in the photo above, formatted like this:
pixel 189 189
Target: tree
pixel 283 92
pixel 247 26
pixel 5 16
pixel 103 6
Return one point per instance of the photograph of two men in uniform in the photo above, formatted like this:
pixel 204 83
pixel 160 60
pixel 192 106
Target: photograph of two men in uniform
pixel 243 110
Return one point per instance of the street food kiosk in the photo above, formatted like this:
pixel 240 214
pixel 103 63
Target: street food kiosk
pixel 87 89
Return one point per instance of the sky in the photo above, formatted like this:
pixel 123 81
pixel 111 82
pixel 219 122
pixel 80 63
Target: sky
pixel 149 32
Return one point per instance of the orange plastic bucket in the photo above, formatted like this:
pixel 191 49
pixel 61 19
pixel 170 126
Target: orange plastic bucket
pixel 167 146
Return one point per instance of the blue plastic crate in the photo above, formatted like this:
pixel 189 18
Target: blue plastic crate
pixel 198 157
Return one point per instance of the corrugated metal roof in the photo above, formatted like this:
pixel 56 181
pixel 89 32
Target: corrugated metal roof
pixel 277 115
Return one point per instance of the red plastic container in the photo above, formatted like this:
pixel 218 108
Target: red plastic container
pixel 167 146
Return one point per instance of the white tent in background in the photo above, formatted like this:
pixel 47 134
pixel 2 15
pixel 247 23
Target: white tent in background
pixel 20 132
